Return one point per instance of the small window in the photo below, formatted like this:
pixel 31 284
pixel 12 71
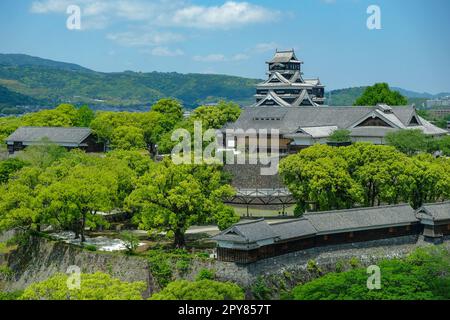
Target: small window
pixel 351 235
pixel 408 228
pixel 391 230
pixel 448 227
pixel 325 238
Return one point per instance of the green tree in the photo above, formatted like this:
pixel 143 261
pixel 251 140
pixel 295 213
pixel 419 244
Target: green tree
pixel 408 141
pixel 9 167
pixel 44 154
pixel 171 198
pixel 340 135
pixel 171 109
pixel 320 175
pixel 130 240
pixel 84 117
pixel 424 275
pixel 135 160
pixel 65 115
pixel 73 201
pixel 18 205
pixel 97 286
pixel 128 138
pixel 381 93
pixel 210 117
pixel 200 290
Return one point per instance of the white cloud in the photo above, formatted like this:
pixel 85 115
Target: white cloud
pixel 211 58
pixel 50 6
pixel 218 57
pixel 264 47
pixel 230 14
pixel 166 52
pixel 175 13
pixel 240 57
pixel 143 39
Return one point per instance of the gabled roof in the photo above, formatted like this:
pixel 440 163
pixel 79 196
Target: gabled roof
pixel 314 132
pixel 362 219
pixel 247 232
pixel 434 211
pixel 330 222
pixel 294 229
pixel 59 135
pixel 325 116
pixel 284 57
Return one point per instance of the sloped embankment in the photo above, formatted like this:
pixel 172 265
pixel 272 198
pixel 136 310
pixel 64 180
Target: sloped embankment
pixel 40 258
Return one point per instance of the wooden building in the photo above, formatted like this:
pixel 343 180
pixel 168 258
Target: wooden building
pixel 301 127
pixel 255 240
pixel 70 138
pixel 436 220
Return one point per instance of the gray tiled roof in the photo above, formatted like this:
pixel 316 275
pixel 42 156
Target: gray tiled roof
pixel 362 218
pixel 289 119
pixel 324 223
pixel 294 229
pixel 29 135
pixel 248 232
pixel 371 131
pixel 437 211
pixel 294 117
pixel 284 57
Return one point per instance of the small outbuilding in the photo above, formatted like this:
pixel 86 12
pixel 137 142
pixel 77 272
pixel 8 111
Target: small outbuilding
pixel 435 218
pixel 70 138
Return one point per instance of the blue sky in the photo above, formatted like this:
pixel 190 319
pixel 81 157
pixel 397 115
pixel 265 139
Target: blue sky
pixel 412 50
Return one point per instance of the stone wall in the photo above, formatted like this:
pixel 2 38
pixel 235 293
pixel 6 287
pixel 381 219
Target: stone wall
pixel 43 258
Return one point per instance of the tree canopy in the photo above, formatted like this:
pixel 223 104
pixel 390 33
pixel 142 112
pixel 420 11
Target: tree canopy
pixel 200 290
pixel 171 198
pixel 97 286
pixel 380 93
pixel 363 174
pixel 424 275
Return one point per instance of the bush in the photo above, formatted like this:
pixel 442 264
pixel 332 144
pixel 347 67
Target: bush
pixel 260 290
pixel 130 240
pixel 424 275
pixel 90 247
pixel 340 135
pixel 206 274
pixel 98 286
pixel 200 290
pixel 6 272
pixel 4 296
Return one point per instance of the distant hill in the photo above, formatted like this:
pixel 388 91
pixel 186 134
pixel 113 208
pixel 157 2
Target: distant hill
pixel 30 80
pixel 10 98
pixel 55 82
pixel 348 96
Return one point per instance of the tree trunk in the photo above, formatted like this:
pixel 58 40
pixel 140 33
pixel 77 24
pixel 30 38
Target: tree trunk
pixel 180 242
pixel 83 224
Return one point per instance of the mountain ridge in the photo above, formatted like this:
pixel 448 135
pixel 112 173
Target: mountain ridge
pixel 51 82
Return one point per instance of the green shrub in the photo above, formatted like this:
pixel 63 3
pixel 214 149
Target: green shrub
pixel 260 290
pixel 10 295
pixel 130 240
pixel 200 290
pixel 206 274
pixel 90 247
pixel 313 267
pixel 6 272
pixel 354 262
